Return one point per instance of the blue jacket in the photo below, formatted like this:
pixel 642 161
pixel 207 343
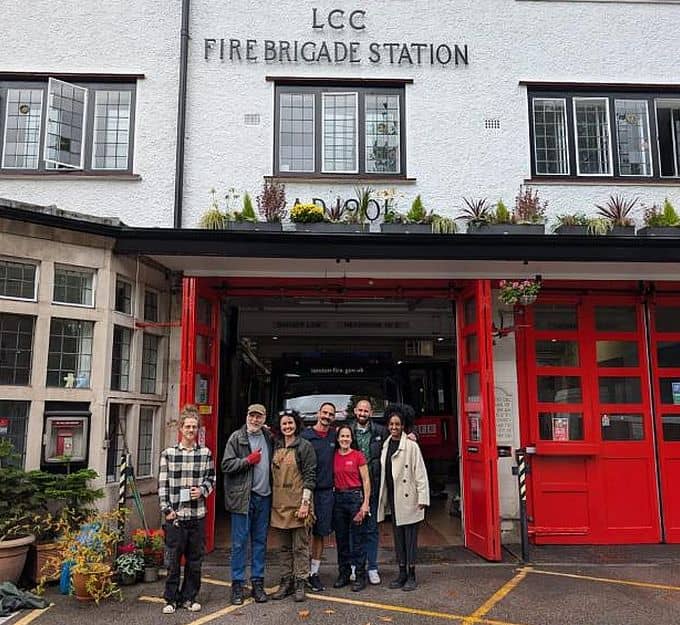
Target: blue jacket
pixel 325 451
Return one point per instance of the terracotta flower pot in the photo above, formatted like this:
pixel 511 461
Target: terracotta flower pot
pixel 41 553
pixel 80 579
pixel 13 557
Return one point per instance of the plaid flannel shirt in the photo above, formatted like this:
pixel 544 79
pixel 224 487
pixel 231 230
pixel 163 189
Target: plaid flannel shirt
pixel 183 468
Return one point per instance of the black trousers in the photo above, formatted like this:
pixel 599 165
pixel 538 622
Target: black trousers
pixel 184 538
pixel 349 536
pixel 405 543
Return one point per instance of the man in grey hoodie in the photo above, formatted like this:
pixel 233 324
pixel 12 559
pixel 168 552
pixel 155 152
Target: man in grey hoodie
pixel 248 496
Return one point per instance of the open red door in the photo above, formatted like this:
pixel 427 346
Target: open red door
pixel 200 370
pixel 481 518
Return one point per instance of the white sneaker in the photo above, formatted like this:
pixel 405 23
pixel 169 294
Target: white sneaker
pixel 373 577
pixel 168 608
pixel 353 574
pixel 192 606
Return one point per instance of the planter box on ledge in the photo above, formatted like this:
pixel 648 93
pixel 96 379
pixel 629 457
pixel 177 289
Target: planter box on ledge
pixel 507 229
pixel 406 228
pixel 331 228
pixel 572 230
pixel 258 226
pixel 659 231
pixel 622 231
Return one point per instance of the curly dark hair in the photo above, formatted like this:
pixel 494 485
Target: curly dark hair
pixel 405 413
pixel 288 412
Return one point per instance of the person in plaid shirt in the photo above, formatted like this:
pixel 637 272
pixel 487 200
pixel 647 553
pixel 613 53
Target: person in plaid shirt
pixel 185 479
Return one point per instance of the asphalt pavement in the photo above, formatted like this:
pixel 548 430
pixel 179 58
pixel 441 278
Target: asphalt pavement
pixel 561 586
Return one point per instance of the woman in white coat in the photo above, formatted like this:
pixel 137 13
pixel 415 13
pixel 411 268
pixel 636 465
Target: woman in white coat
pixel 404 490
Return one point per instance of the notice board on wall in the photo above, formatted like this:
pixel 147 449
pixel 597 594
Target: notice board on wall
pixel 505 422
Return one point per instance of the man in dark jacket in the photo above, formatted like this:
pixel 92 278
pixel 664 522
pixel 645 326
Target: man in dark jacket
pixel 248 496
pixel 370 437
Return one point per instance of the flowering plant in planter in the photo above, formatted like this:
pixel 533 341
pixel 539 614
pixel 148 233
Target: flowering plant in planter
pixel 148 539
pixel 522 292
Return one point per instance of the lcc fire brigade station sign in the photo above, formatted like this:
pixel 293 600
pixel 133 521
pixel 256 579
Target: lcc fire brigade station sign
pixel 335 51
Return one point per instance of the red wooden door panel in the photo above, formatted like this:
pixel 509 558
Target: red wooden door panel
pixel 665 350
pixel 478 423
pixel 199 372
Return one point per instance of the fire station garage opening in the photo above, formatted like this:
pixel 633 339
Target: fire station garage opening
pixel 298 353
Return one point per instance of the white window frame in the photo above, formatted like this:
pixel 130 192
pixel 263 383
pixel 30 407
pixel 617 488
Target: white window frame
pixel 131 284
pixel 649 139
pixel 154 438
pixel 40 129
pixel 658 146
pixel 24 261
pixel 356 132
pixel 609 173
pixel 83 139
pixel 83 270
pixel 566 134
pixel 364 134
pixel 94 133
pixel 278 156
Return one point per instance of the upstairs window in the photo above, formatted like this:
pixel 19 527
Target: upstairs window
pixel 52 125
pixel 338 131
pixel 18 279
pixel 627 134
pixel 73 285
pixel 123 300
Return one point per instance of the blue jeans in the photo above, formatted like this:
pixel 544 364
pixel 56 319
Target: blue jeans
pixel 349 535
pixel 371 535
pixel 250 528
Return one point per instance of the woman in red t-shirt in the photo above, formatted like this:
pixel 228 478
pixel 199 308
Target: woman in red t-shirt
pixel 350 508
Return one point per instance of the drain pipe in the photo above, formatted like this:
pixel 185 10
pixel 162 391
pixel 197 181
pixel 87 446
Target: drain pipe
pixel 181 114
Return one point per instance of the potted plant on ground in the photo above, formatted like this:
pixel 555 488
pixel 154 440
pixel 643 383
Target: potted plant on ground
pixel 618 211
pixel 17 510
pixel 129 566
pixel 581 224
pixel 660 222
pixel 524 292
pixel 271 204
pixel 416 221
pixel 151 543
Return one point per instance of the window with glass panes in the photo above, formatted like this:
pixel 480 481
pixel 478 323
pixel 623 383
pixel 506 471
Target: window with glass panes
pixel 14 425
pixel 340 130
pixel 150 305
pixel 51 125
pixel 16 349
pixel 17 279
pixel 590 133
pixel 115 434
pixel 120 359
pixel 145 441
pixel 149 362
pixel 123 296
pixel 69 358
pixel 73 285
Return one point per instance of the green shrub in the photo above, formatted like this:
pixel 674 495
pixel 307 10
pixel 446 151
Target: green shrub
pixel 307 214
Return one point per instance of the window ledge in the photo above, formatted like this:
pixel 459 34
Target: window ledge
pixel 350 178
pixel 599 181
pixel 69 176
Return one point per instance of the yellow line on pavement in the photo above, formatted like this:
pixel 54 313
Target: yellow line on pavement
pixel 31 616
pixel 403 609
pixel 213 615
pixel 498 596
pixel 219 582
pixel 151 599
pixel 605 580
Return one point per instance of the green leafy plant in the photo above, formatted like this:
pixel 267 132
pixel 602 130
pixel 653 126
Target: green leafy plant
pixel 477 212
pixel 271 203
pixel 593 225
pixel 247 213
pixel 360 214
pixel 529 209
pixel 598 226
pixel 665 217
pixel 213 218
pixel 130 563
pixel 443 225
pixel 417 213
pixel 501 214
pixel 571 219
pixel 618 210
pixel 307 214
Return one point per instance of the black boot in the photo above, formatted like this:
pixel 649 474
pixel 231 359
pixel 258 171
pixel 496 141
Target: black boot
pixel 285 589
pixel 342 580
pixel 300 589
pixel 258 592
pixel 400 580
pixel 360 581
pixel 411 579
pixel 236 593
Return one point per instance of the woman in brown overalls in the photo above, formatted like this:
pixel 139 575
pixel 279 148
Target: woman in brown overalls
pixel 293 479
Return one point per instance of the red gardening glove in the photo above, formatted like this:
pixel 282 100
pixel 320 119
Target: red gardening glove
pixel 254 457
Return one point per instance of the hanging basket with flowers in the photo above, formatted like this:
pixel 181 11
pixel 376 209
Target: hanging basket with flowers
pixel 522 292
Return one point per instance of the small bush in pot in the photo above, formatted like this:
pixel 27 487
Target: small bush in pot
pixel 477 212
pixel 271 203
pixel 247 213
pixel 307 214
pixel 618 211
pixel 665 217
pixel 417 213
pixel 529 209
pixel 129 566
pixel 213 218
